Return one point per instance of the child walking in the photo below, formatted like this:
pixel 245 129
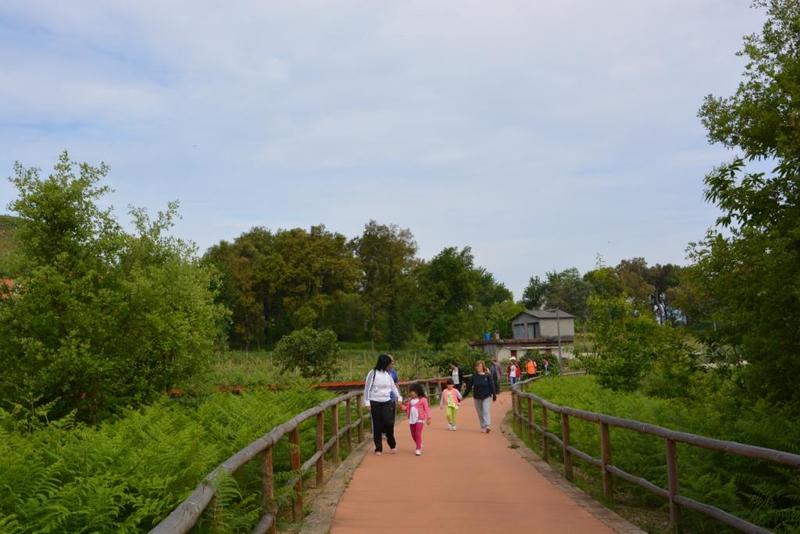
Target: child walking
pixel 451 400
pixel 418 413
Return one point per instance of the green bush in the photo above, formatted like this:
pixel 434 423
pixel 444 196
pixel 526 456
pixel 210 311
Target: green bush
pixel 459 353
pixel 632 350
pixel 313 352
pixel 100 319
pixel 126 475
pixel 762 493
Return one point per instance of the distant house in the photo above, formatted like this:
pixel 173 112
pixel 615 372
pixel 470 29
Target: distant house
pixel 533 330
pixel 536 324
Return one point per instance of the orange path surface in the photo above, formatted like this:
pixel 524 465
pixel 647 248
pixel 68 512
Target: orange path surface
pixel 464 482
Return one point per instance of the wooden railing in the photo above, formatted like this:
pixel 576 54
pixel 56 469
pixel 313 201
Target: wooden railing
pixel 608 470
pixel 183 518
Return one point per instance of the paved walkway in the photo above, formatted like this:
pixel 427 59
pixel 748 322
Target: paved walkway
pixel 465 482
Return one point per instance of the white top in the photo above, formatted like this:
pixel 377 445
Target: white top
pixel 513 372
pixel 455 376
pixel 378 387
pixel 413 413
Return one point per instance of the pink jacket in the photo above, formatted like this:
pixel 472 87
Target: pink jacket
pixel 423 409
pixel 447 392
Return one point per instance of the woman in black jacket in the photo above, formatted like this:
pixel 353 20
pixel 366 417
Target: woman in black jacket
pixel 481 381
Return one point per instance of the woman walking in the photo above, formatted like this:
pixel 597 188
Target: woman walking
pixel 379 389
pixel 483 385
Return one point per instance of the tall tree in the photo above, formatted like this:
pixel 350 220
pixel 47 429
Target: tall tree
pixel 290 277
pixel 750 263
pixel 102 318
pixel 568 291
pixel 533 296
pixel 387 255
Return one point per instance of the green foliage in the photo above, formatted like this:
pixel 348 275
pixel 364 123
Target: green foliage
pixel 759 492
pixel 457 353
pixel 102 318
pixel 312 352
pixel 749 266
pixel 8 230
pixel 126 475
pixel 567 291
pixel 534 293
pixel 387 257
pixel 276 282
pixel 628 347
pixel 455 296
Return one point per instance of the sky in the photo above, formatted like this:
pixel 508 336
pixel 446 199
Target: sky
pixel 541 133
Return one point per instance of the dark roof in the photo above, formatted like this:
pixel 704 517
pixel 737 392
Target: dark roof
pixel 546 314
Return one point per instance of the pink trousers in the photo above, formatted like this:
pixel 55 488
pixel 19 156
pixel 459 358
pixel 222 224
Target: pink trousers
pixel 416 433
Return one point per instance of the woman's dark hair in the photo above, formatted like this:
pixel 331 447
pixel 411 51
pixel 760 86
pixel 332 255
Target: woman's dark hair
pixel 450 381
pixel 417 388
pixel 383 363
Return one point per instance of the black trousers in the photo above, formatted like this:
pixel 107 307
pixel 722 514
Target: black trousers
pixel 382 423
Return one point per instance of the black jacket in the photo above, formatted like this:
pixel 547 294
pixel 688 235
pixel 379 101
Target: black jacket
pixel 483 384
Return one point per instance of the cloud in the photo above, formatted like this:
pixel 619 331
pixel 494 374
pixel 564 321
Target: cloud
pixel 538 132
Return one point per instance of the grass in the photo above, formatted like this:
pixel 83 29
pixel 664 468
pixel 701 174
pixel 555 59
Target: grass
pixel 762 493
pixel 256 369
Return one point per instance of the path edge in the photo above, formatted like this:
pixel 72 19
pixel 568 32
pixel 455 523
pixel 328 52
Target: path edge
pixel 325 502
pixel 605 515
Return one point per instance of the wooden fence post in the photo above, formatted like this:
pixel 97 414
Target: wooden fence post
pixel 348 419
pixel 335 433
pixel 672 481
pixel 294 448
pixel 530 419
pixel 268 488
pixel 565 447
pixel 359 402
pixel 605 461
pixel 545 452
pixel 320 446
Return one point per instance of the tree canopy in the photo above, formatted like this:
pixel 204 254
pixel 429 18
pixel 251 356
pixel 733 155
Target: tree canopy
pixel 99 318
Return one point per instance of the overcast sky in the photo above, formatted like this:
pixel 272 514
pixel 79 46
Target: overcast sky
pixel 539 132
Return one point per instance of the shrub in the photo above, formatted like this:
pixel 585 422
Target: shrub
pixel 313 352
pixel 760 492
pixel 101 319
pixel 127 474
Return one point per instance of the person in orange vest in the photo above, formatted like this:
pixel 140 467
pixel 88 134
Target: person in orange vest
pixel 530 368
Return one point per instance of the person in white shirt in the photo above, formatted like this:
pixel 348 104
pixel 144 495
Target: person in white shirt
pixel 456 375
pixel 380 394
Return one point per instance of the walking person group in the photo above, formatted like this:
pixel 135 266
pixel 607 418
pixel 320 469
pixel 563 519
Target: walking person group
pixel 381 395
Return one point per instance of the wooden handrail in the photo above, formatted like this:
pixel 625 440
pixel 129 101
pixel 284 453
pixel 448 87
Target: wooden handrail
pixel 186 515
pixel 670 437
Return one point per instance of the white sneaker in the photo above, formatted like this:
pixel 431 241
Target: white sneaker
pixel 418 452
pixel 450 427
pixel 454 427
pixel 393 451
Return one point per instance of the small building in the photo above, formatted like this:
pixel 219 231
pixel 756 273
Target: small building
pixel 536 330
pixel 548 324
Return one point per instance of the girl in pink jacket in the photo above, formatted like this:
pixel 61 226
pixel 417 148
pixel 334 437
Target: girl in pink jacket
pixel 418 412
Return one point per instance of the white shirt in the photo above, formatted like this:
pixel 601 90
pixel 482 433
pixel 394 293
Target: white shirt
pixel 513 372
pixel 413 413
pixel 455 376
pixel 378 387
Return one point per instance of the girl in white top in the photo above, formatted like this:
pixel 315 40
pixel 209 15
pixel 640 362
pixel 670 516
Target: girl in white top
pixel 378 389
